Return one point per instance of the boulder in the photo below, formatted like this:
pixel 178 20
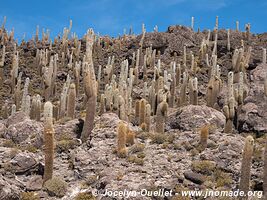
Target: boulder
pixel 191 117
pixel 24 131
pixel 253 114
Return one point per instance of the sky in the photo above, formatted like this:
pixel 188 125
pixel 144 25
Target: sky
pixel 111 17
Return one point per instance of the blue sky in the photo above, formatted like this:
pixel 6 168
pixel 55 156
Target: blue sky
pixel 110 17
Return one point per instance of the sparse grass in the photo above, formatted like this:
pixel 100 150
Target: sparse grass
pixel 158 138
pixel 29 196
pixel 203 166
pixel 56 187
pixel 84 196
pixel 9 144
pixel 137 148
pixel 65 145
pixel 136 160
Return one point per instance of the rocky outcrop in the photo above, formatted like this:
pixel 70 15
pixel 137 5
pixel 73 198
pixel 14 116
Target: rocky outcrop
pixel 253 114
pixel 191 117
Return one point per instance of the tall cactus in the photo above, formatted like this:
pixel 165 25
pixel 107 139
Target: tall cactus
pixel 48 141
pixel 246 164
pixel 90 89
pixel 161 115
pixel 71 101
pixel 121 135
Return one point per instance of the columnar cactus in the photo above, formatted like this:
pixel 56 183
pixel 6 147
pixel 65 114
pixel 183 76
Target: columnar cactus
pixel 265 172
pixel 147 117
pixel 122 109
pixel 77 70
pixel 161 115
pixel 264 56
pixel 228 40
pixel 237 26
pixel 48 141
pixel 121 139
pixel 14 71
pixel 182 100
pixel 2 63
pixel 25 94
pixel 137 110
pixel 90 88
pixel 71 101
pixel 193 91
pixel 13 109
pixel 142 111
pixel 246 164
pixel 204 135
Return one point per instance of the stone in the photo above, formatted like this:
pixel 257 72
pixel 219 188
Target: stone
pixel 193 116
pixel 194 177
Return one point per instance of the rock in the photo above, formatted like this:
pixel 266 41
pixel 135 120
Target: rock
pixel 191 117
pixel 9 189
pixel 35 183
pixel 16 118
pixel 253 114
pixel 109 120
pixel 194 177
pixel 67 129
pixel 23 162
pixel 24 131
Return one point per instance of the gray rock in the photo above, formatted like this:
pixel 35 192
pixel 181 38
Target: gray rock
pixel 9 189
pixel 194 177
pixel 23 162
pixel 191 117
pixel 24 131
pixel 35 183
pixel 253 114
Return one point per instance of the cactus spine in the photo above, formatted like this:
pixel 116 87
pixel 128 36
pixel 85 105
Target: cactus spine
pixel 48 141
pixel 246 164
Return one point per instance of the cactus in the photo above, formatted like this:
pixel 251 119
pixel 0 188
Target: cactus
pixel 25 94
pixel 147 117
pixel 228 40
pixel 137 110
pixel 142 111
pixel 161 115
pixel 265 86
pixel 244 182
pixel 122 109
pixel 121 139
pixel 5 110
pixel 102 104
pixel 90 89
pixel 130 137
pixel 264 56
pixel 265 172
pixel 71 101
pixel 237 26
pixel 183 90
pixel 193 91
pixel 192 23
pixel 2 63
pixel 13 109
pixel 48 141
pixel 204 135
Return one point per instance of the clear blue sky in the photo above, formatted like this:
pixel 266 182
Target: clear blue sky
pixel 112 16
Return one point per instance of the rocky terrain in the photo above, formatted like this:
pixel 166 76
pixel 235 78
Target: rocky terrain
pixel 173 159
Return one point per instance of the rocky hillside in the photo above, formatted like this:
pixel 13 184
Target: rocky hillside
pixel 170 110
